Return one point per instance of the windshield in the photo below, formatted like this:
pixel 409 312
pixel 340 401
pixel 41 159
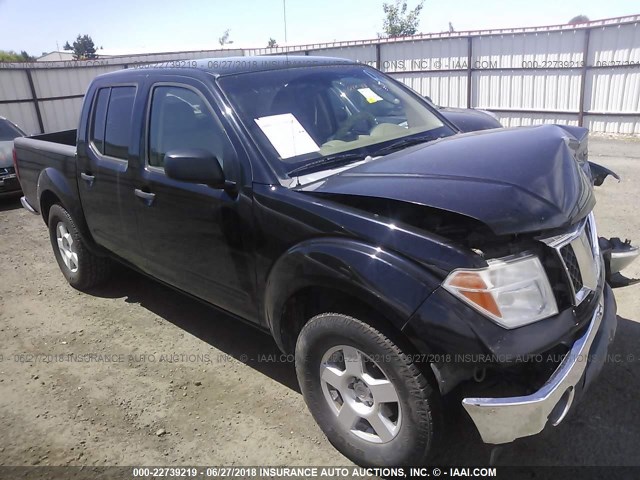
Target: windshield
pixel 309 117
pixel 8 131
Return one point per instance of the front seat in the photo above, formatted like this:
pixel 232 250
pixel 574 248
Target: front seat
pixel 306 103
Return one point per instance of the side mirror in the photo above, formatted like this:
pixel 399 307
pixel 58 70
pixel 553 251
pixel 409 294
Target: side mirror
pixel 194 165
pixel 427 97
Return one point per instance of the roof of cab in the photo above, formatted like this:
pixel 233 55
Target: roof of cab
pixel 233 65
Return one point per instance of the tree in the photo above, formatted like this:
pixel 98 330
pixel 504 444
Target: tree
pixel 272 43
pixel 25 57
pixel 83 48
pixel 579 19
pixel 11 56
pixel 399 21
pixel 224 39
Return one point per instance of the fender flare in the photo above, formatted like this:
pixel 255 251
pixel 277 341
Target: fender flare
pixel 389 283
pixel 52 180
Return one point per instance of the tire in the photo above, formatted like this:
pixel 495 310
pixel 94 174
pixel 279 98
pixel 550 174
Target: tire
pixel 333 347
pixel 81 268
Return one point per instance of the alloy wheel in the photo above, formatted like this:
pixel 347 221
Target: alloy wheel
pixel 67 247
pixel 359 393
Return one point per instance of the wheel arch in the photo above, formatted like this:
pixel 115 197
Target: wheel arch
pixel 47 200
pixel 343 276
pixel 54 188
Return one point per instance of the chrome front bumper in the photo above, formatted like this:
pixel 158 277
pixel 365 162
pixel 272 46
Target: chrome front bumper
pixel 502 420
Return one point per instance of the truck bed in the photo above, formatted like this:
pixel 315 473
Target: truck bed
pixel 54 152
pixel 64 137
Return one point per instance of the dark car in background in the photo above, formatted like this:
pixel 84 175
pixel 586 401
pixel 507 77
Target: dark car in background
pixel 9 184
pixel 468 119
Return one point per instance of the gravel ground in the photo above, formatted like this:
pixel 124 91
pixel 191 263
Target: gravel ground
pixel 187 385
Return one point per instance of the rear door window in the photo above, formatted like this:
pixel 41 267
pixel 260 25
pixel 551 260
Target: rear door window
pixel 99 116
pixel 117 132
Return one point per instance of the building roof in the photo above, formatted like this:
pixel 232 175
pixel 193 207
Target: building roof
pixel 55 56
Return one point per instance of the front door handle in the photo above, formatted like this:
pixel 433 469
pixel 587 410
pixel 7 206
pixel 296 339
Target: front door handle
pixel 148 197
pixel 88 178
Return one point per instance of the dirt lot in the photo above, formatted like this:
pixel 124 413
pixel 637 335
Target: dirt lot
pixel 185 385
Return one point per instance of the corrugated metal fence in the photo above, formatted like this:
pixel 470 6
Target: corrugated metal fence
pixel 587 74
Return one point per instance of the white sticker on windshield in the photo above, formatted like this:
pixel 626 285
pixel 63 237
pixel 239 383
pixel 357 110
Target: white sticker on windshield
pixel 369 95
pixel 287 136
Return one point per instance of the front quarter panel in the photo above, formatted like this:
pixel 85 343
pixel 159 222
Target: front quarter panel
pixel 305 241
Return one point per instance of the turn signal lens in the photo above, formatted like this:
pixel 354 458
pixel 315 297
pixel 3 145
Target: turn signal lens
pixel 473 288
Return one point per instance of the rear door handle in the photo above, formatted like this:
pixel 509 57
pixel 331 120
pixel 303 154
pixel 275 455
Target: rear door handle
pixel 88 178
pixel 148 197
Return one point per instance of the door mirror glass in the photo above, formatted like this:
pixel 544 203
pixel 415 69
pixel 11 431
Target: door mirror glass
pixel 194 165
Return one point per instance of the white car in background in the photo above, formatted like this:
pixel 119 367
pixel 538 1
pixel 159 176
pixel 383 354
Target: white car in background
pixel 9 184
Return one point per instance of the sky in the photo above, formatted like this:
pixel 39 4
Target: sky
pixel 142 26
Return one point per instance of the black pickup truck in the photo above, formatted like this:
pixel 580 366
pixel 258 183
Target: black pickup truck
pixel 408 266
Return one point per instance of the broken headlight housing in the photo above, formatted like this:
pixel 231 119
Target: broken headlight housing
pixel 512 291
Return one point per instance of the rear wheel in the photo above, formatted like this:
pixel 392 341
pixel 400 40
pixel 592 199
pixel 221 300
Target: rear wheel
pixel 373 404
pixel 81 268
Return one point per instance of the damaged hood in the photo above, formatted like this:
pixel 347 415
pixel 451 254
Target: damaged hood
pixel 513 180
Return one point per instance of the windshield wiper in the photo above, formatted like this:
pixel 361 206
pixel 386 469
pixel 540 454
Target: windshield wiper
pixel 402 143
pixel 330 160
pixel 348 157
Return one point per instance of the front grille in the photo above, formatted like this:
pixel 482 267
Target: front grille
pixel 589 224
pixel 572 267
pixel 579 254
pixel 7 171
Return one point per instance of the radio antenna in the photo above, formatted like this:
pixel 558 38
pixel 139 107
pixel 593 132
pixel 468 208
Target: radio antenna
pixel 284 15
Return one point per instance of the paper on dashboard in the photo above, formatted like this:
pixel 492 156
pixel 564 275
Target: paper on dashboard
pixel 287 135
pixel 369 95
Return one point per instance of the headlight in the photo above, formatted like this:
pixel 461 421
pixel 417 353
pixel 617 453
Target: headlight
pixel 512 291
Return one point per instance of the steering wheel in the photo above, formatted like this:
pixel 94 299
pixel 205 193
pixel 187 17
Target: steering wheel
pixel 359 123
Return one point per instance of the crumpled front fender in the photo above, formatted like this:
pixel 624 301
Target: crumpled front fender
pixel 600 173
pixel 617 256
pixel 391 284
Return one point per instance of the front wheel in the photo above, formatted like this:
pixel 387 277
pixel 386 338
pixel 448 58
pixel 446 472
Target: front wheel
pixel 81 267
pixel 372 402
